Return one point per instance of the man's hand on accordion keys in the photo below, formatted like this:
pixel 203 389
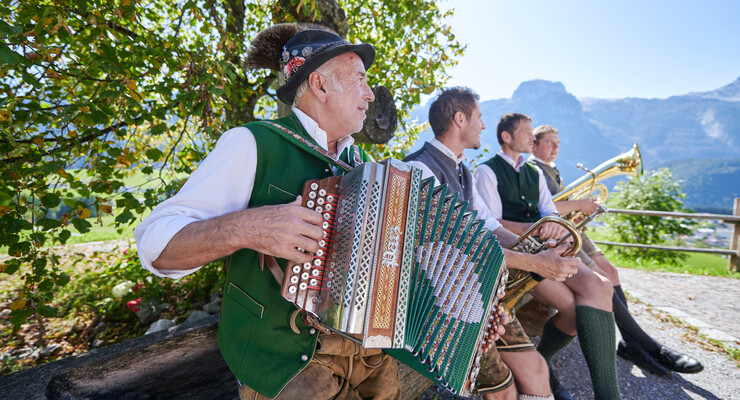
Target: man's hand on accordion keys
pixel 287 231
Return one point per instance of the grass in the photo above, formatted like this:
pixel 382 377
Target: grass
pixel 103 231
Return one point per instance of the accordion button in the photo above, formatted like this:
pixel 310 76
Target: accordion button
pixel 303 286
pixel 304 358
pixel 325 225
pixel 322 243
pixel 320 201
pixel 292 289
pixel 314 186
pixel 327 216
pixel 296 269
pixel 313 282
pixel 294 279
pixel 312 195
pixel 310 204
pixel 312 331
pixel 328 207
pixel 305 276
pixel 315 272
pixel 319 253
pixel 322 192
pixel 319 209
pixel 306 265
pixel 317 262
pixel 330 198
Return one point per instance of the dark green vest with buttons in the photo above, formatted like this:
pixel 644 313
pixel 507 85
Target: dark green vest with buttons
pixel 254 333
pixel 519 191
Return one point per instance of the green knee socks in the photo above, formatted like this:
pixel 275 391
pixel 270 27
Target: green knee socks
pixel 553 340
pixel 596 335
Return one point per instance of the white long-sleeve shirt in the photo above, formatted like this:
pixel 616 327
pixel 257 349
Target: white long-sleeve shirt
pixel 221 184
pixel 477 203
pixel 487 184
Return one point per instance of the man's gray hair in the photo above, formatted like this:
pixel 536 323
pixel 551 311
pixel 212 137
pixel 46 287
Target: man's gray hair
pixel 327 70
pixel 541 130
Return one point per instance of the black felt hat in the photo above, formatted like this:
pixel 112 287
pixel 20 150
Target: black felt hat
pixel 302 52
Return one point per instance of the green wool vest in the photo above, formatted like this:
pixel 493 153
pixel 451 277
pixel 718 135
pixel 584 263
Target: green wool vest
pixel 254 333
pixel 519 191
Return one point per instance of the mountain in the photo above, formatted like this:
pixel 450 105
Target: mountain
pixel 697 134
pixel 710 185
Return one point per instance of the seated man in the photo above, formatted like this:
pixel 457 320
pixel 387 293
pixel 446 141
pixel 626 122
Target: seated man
pixel 636 345
pixel 516 193
pixel 512 368
pixel 237 204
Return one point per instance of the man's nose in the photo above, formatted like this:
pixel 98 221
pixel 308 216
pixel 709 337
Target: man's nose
pixel 369 95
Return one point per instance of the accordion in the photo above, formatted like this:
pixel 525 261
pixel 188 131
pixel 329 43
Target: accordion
pixel 405 265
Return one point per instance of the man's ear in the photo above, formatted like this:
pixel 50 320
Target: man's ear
pixel 316 85
pixel 506 137
pixel 459 119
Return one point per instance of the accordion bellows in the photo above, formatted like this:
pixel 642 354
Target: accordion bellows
pixel 407 266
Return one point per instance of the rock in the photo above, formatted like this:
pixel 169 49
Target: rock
pixel 50 350
pixel 164 306
pixel 195 316
pixel 213 307
pixel 159 325
pixel 149 311
pixel 97 343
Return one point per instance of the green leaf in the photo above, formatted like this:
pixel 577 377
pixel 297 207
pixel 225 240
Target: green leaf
pixel 62 279
pixel 64 236
pixel 18 317
pixel 50 200
pixel 48 311
pixel 52 166
pixel 8 56
pixel 158 129
pixel 154 154
pixel 46 285
pixel 81 225
pixel 7 30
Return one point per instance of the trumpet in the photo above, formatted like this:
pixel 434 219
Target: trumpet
pixel 520 282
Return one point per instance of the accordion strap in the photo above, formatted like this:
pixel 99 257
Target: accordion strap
pixel 307 144
pixel 273 266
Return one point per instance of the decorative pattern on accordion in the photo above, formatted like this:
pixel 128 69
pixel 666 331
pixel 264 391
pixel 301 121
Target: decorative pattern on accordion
pixel 408 267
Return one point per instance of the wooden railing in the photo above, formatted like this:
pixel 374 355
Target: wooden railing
pixel 733 262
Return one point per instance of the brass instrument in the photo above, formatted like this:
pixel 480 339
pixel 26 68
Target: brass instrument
pixel 520 282
pixel 629 163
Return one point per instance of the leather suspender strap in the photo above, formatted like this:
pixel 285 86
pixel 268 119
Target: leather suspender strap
pixel 273 266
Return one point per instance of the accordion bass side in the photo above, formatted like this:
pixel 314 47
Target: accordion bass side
pixel 405 265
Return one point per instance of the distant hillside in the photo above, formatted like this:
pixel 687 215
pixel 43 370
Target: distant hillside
pixel 710 185
pixel 670 132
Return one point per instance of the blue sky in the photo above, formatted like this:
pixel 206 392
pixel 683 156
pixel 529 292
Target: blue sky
pixel 597 48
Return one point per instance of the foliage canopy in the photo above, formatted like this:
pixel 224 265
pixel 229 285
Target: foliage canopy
pixel 120 87
pixel 656 191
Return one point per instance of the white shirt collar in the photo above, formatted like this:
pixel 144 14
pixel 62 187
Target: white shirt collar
pixel 319 135
pixel 533 157
pixel 517 165
pixel 446 151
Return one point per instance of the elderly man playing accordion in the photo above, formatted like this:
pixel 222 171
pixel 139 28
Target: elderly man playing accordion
pixel 636 345
pixel 241 203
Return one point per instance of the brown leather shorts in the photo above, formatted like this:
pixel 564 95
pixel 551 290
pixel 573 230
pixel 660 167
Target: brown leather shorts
pixel 341 369
pixel 494 374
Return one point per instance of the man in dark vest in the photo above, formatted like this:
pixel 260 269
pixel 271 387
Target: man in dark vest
pixel 517 370
pixel 636 345
pixel 241 203
pixel 516 193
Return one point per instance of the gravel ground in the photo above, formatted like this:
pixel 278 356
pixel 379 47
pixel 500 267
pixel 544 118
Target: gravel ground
pixel 705 303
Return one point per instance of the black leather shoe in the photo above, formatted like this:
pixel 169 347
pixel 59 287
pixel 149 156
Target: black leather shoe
pixel 558 391
pixel 641 358
pixel 678 362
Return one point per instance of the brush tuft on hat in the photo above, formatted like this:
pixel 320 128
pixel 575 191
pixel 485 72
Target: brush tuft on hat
pixel 265 49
